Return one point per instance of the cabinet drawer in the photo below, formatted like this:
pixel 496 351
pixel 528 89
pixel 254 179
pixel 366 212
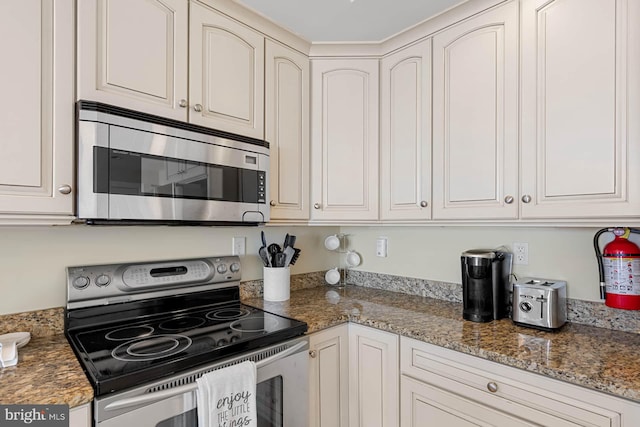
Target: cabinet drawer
pixel 476 379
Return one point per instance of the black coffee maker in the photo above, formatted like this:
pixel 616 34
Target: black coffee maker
pixel 486 288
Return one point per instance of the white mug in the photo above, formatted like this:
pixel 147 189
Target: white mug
pixel 332 276
pixel 353 259
pixel 332 242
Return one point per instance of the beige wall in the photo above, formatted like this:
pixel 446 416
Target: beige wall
pixel 33 259
pixel 434 252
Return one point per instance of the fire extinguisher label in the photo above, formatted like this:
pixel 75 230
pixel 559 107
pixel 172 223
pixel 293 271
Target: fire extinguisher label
pixel 622 275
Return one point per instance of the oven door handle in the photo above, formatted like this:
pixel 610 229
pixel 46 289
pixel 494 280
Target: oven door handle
pixel 165 394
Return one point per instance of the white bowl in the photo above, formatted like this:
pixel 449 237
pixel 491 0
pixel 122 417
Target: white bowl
pixel 332 276
pixel 353 259
pixel 332 242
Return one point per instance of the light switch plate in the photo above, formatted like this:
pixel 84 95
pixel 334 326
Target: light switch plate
pixel 239 246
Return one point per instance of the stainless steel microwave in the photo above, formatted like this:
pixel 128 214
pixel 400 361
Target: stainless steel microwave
pixel 138 168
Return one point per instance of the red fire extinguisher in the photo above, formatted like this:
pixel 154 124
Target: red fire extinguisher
pixel 620 269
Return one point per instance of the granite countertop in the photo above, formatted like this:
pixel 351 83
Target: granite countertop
pixel 47 373
pixel 596 358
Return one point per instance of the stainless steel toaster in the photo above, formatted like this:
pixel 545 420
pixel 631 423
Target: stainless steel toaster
pixel 540 303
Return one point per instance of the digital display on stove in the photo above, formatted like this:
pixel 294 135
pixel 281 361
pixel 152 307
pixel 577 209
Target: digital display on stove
pixel 168 271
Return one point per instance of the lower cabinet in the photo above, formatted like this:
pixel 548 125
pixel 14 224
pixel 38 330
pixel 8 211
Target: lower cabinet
pixel 80 416
pixel 445 387
pixel 353 373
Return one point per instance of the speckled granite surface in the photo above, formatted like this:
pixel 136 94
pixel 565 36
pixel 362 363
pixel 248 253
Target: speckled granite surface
pixel 39 323
pixel 47 373
pixel 595 358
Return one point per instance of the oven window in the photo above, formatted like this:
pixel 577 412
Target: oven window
pixel 187 419
pixel 136 174
pixel 269 405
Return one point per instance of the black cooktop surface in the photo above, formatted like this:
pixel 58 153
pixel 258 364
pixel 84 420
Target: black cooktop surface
pixel 119 350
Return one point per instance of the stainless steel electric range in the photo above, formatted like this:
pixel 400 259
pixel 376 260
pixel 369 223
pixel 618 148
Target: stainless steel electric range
pixel 144 332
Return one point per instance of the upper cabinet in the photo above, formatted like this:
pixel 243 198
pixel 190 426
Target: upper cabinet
pixel 287 130
pixel 226 73
pixel 344 139
pixel 135 54
pixel 36 119
pixel 580 108
pixel 475 117
pixel 405 134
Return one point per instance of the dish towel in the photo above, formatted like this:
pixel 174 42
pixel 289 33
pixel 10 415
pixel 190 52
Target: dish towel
pixel 227 397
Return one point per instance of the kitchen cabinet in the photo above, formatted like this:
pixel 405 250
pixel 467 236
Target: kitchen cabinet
pixel 444 387
pixel 580 104
pixel 373 377
pixel 172 58
pixel 475 117
pixel 226 73
pixel 405 134
pixel 328 377
pixel 287 130
pixel 134 54
pixel 80 416
pixel 36 119
pixel 344 139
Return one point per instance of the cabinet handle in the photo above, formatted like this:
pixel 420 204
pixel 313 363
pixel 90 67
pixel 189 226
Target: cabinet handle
pixel 492 387
pixel 64 189
pixel 316 206
pixel 312 353
pixel 197 108
pixel 183 103
pixel 272 203
pixel 424 204
pixel 508 200
pixel 526 198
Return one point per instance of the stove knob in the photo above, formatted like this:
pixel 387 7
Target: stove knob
pixel 235 267
pixel 103 280
pixel 525 306
pixel 222 342
pixel 81 282
pixel 222 268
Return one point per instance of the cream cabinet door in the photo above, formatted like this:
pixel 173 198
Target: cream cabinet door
pixel 475 117
pixel 344 139
pixel 226 73
pixel 328 377
pixel 373 377
pixel 133 54
pixel 580 108
pixel 405 134
pixel 287 131
pixel 36 117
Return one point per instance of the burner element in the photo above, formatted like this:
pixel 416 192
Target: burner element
pixel 129 333
pixel 151 348
pixel 254 324
pixel 182 323
pixel 227 314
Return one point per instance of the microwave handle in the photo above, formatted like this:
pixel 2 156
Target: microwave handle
pixel 164 394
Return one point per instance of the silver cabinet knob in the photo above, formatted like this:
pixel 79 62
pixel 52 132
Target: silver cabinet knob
pixel 197 108
pixel 64 189
pixel 508 200
pixel 424 204
pixel 272 203
pixel 312 353
pixel 316 206
pixel 526 198
pixel 492 387
pixel 183 103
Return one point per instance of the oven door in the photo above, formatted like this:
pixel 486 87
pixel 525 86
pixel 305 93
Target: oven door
pixel 281 397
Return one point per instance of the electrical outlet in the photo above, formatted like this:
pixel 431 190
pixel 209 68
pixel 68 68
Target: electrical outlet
pixel 521 253
pixel 238 246
pixel 381 247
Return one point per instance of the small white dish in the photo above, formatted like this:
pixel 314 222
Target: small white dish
pixel 332 276
pixel 332 242
pixel 353 259
pixel 20 338
pixel 8 354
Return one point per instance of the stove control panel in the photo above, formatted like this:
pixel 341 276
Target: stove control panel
pixel 110 283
